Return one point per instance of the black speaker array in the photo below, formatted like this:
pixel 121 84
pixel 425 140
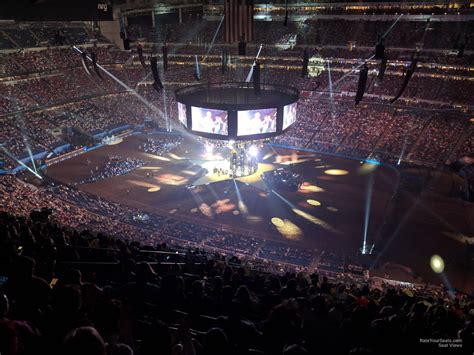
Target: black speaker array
pixel 364 72
pixel 157 85
pixel 256 78
pixel 383 66
pixel 304 69
pixel 164 49
pixel 140 56
pixel 126 44
pixel 224 60
pixel 242 47
pixel 379 51
pixel 408 75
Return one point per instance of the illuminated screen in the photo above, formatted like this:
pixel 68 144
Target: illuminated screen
pixel 256 121
pixel 289 115
pixel 182 114
pixel 209 121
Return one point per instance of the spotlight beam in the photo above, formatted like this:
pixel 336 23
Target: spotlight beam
pixel 213 39
pixel 242 207
pixel 11 156
pixel 25 137
pixel 368 203
pixel 402 151
pixel 129 89
pixel 249 77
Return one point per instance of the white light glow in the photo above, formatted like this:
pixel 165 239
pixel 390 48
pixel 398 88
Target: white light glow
pixel 253 151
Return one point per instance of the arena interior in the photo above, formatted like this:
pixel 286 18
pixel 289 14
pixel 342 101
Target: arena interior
pixel 236 177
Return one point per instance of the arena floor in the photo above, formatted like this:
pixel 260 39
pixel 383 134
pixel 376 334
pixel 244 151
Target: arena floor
pixel 327 213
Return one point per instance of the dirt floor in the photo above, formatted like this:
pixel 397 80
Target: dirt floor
pixel 327 213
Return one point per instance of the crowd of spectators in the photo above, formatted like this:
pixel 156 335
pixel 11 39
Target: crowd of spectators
pixel 82 211
pixel 36 35
pixel 54 78
pixel 123 298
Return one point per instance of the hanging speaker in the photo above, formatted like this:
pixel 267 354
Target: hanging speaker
pixel 304 69
pixel 242 47
pixel 362 83
pixel 224 60
pixel 140 56
pixel 154 69
pixel 379 51
pixel 383 66
pixel 164 49
pixel 408 75
pixel 256 78
pixel 126 44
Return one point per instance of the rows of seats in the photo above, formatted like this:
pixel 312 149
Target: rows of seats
pixel 97 294
pixel 335 127
pixel 442 34
pixel 37 36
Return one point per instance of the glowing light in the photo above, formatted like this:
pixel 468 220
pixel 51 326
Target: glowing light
pixel 114 141
pixel 149 168
pixel 173 211
pixel 332 209
pixel 462 238
pixel 171 179
pixel 235 213
pixel 336 172
pixel 253 219
pixel 307 188
pixel 313 202
pixel 205 210
pixel 367 168
pixel 194 210
pixel 290 230
pixel 243 207
pixel 368 203
pixel 278 222
pixel 471 120
pixel 209 149
pixel 315 220
pixel 253 151
pixel 437 264
pixel 268 155
pixel 157 157
pixel 144 184
pixel 174 156
pixel 222 206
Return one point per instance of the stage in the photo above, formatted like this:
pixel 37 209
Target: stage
pixel 326 213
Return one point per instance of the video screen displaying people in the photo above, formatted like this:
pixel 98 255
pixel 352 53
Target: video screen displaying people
pixel 256 121
pixel 182 114
pixel 289 115
pixel 209 121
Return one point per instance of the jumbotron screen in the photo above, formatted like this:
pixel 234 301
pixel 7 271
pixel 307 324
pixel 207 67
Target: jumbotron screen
pixel 209 121
pixel 289 115
pixel 182 114
pixel 256 122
